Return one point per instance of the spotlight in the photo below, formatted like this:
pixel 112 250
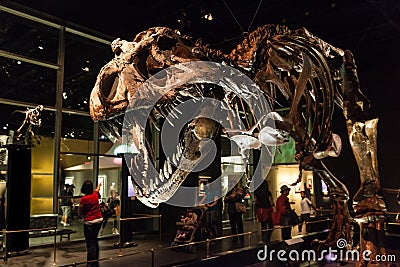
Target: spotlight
pixel 205 12
pixel 208 16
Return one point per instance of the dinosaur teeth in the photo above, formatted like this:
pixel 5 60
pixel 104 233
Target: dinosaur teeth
pixel 165 116
pixel 151 185
pixel 179 99
pixel 171 111
pixel 180 150
pixel 153 121
pixel 177 110
pixel 165 170
pixel 169 166
pixel 174 160
pixel 144 184
pixel 156 180
pixel 161 176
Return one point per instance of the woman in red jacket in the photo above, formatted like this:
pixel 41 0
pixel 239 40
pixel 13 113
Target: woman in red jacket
pixel 283 205
pixel 92 219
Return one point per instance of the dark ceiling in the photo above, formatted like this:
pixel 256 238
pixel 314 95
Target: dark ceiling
pixel 348 24
pixel 370 28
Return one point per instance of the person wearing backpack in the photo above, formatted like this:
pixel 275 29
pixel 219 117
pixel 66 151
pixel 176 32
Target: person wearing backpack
pixel 282 210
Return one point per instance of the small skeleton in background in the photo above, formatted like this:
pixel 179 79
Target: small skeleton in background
pixel 31 119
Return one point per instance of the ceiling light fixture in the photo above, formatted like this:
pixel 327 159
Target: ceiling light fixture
pixel 205 12
pixel 208 16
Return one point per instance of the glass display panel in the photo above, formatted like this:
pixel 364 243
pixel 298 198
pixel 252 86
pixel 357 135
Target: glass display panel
pixel 27 82
pixel 83 61
pixel 28 38
pixel 76 134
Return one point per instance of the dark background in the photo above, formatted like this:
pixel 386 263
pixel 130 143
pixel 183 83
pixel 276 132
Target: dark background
pixel 370 29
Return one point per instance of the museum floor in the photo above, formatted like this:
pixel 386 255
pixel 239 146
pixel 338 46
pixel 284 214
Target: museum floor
pixel 73 253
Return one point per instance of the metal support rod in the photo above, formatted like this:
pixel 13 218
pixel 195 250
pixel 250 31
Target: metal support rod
pixel 152 257
pixel 96 146
pixel 55 247
pixel 159 229
pixel 58 118
pixel 5 245
pixel 250 239
pixel 207 248
pixel 120 240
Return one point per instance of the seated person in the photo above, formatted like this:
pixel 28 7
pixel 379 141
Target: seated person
pixel 189 220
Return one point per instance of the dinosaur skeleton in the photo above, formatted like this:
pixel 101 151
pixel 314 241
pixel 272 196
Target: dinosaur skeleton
pixel 294 69
pixel 32 118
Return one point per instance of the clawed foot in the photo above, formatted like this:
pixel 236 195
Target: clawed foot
pixel 340 229
pixel 373 205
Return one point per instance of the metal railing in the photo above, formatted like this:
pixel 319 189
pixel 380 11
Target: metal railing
pixel 54 233
pixel 5 232
pixel 206 242
pixel 153 251
pixel 140 217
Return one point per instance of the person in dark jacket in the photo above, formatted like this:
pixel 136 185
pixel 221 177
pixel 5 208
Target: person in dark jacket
pixel 264 204
pixel 282 206
pixel 113 203
pixel 66 203
pixel 236 194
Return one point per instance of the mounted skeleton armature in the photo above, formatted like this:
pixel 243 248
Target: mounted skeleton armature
pixel 294 69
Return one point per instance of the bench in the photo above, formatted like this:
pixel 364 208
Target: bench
pixel 63 233
pixel 46 221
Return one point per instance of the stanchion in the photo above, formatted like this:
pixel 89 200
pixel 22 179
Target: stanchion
pixel 55 247
pixel 5 245
pixel 119 244
pixel 249 233
pixel 152 257
pixel 207 248
pixel 159 228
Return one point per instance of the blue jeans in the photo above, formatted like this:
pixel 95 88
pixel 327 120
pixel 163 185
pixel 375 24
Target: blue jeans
pixel 92 244
pixel 304 218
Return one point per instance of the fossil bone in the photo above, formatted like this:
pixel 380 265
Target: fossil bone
pixel 294 68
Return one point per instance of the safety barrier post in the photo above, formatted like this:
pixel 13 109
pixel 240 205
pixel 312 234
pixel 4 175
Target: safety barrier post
pixel 152 257
pixel 159 229
pixel 207 248
pixel 120 245
pixel 5 245
pixel 55 246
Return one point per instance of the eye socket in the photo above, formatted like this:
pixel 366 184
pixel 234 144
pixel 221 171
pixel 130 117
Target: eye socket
pixel 166 43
